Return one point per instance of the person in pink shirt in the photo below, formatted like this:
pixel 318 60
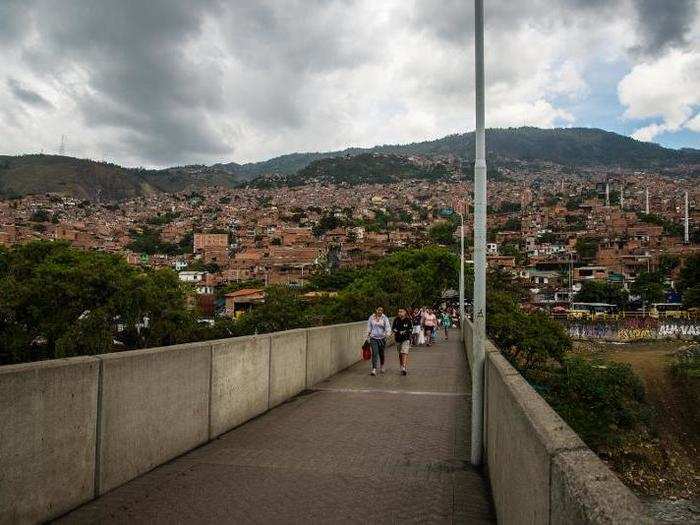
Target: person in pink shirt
pixel 429 326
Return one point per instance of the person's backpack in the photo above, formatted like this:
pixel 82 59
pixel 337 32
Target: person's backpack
pixel 367 350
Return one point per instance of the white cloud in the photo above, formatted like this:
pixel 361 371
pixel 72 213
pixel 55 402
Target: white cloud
pixel 694 123
pixel 667 88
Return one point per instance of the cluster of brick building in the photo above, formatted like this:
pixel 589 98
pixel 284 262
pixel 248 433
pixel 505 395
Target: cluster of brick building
pixel 219 238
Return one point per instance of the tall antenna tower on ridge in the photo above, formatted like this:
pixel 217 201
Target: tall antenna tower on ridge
pixel 62 147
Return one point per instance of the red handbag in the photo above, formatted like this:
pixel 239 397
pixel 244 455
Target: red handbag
pixel 367 350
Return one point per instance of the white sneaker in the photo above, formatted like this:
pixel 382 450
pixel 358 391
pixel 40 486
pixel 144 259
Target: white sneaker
pixel 373 372
pixel 383 370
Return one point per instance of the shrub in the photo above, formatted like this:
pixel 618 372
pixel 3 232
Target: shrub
pixel 527 340
pixel 603 402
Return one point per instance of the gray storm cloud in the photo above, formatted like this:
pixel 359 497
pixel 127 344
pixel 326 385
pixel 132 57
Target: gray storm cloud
pixel 178 81
pixel 664 23
pixel 26 95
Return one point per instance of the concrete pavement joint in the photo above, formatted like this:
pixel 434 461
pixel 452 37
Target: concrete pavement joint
pixel 393 392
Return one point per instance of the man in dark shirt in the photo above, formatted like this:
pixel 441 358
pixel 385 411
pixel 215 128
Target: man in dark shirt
pixel 402 328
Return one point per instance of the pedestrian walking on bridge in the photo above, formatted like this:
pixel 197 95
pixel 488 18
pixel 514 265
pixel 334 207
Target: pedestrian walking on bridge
pixel 402 328
pixel 429 325
pixel 445 322
pixel 378 328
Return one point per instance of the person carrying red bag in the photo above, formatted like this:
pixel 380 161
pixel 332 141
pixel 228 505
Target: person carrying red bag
pixel 378 328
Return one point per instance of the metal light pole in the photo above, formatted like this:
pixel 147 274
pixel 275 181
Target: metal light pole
pixel 461 275
pixel 477 415
pixel 686 222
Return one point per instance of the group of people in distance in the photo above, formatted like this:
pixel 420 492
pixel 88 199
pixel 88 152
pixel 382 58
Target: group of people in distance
pixel 411 327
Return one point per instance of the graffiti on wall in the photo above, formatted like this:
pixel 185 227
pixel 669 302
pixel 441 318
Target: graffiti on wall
pixel 634 329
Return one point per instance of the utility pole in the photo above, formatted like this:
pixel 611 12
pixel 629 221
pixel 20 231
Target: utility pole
pixel 479 335
pixel 571 277
pixel 622 197
pixel 686 232
pixel 607 193
pixel 62 147
pixel 646 197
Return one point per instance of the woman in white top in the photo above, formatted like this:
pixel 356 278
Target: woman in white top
pixel 378 327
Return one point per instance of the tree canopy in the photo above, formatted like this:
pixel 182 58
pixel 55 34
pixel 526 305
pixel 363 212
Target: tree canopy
pixel 56 301
pixel 602 292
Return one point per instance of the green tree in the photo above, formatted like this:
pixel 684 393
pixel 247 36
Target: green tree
pixel 670 227
pixel 511 224
pixel 334 280
pixel 527 340
pixel 58 301
pixel 443 233
pixel 327 222
pixel 602 401
pixel 668 263
pixel 40 215
pixel 586 247
pixel 512 249
pixel 689 281
pixel 548 237
pixel 283 309
pixel 602 292
pixel 509 207
pixel 649 286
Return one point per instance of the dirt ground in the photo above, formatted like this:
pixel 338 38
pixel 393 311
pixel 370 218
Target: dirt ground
pixel 664 469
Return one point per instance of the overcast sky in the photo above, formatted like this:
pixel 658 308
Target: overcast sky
pixel 165 82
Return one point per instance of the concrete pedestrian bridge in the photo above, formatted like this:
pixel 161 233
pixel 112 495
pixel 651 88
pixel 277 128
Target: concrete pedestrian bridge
pixel 289 427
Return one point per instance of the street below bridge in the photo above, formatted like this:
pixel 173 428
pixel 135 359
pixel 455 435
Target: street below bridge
pixel 355 448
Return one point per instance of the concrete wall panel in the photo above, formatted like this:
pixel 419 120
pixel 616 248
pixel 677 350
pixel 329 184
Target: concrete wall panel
pixel 518 463
pixel 287 365
pixel 339 342
pixel 319 362
pixel 584 490
pixel 155 406
pixel 240 381
pixel 48 416
pixel 350 352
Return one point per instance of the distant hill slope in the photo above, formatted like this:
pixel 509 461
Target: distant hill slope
pixel 32 174
pixel 566 146
pixel 188 178
pixel 87 179
pixel 357 169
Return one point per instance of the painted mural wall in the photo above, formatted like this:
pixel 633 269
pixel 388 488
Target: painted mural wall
pixel 633 329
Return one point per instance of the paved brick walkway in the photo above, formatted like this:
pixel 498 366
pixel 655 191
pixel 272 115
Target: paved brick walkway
pixel 355 449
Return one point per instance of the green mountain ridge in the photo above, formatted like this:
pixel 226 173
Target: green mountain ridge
pixel 565 146
pixel 571 147
pixel 370 168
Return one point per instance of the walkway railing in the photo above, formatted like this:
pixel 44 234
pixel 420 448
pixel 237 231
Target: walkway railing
pixel 539 469
pixel 73 429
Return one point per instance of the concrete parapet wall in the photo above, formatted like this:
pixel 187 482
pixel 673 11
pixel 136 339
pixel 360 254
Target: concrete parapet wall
pixel 155 406
pixel 48 417
pixel 73 429
pixel 540 470
pixel 239 382
pixel 287 365
pixel 320 363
